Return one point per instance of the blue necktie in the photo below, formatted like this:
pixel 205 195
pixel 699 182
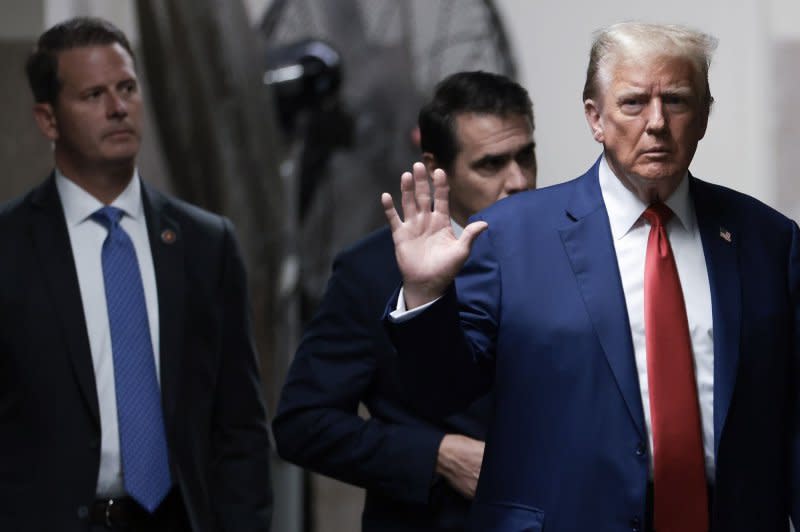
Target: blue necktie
pixel 143 444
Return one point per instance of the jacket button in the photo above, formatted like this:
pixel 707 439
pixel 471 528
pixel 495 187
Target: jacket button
pixel 636 524
pixel 641 450
pixel 83 512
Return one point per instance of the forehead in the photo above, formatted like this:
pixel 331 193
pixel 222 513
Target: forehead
pixel 90 65
pixel 654 72
pixel 476 131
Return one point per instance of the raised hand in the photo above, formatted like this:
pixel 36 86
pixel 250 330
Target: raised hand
pixel 428 253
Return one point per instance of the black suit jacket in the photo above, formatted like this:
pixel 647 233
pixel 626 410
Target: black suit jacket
pixel 344 359
pixel 49 420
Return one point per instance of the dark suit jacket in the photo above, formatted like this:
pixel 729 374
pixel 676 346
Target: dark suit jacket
pixel 345 359
pixel 541 305
pixel 49 421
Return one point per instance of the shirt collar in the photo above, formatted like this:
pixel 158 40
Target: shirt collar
pixel 79 205
pixel 457 229
pixel 625 208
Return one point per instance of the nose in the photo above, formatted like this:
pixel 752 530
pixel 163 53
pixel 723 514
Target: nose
pixel 518 179
pixel 656 120
pixel 117 106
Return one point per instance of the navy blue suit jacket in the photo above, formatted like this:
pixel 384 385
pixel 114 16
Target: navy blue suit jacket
pixel 539 307
pixel 344 359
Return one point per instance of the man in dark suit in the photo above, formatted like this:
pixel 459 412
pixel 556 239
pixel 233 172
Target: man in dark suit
pixel 640 327
pixel 129 390
pixel 420 474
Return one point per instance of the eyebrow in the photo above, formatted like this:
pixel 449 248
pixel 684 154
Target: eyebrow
pixel 499 157
pixel 634 91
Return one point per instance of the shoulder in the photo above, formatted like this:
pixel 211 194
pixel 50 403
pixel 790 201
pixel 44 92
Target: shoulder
pixel 189 218
pixel 375 250
pixel 543 208
pixel 13 208
pixel 727 203
pixel 18 210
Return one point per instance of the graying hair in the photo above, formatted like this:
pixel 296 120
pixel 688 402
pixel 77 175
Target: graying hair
pixel 638 40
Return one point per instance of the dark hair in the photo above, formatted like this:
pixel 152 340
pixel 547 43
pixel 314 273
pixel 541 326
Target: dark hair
pixel 42 64
pixel 467 92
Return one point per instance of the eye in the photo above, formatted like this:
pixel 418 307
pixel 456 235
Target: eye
pixel 129 87
pixel 492 164
pixel 93 94
pixel 675 102
pixel 526 158
pixel 631 105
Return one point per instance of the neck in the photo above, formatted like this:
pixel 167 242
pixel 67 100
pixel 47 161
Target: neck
pixel 649 191
pixel 105 183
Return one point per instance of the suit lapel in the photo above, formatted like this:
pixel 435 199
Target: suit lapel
pixel 719 237
pixel 52 246
pixel 166 245
pixel 588 243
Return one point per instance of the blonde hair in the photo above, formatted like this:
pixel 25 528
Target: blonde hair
pixel 640 40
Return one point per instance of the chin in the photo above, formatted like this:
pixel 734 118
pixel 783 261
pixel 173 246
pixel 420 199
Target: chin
pixel 122 153
pixel 657 172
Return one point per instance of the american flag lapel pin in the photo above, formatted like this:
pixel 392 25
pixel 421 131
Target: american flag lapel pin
pixel 724 234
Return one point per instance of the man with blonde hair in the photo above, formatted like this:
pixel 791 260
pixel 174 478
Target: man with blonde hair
pixel 640 327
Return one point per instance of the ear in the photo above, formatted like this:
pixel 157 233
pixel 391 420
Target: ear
pixel 46 120
pixel 592 112
pixel 703 124
pixel 429 160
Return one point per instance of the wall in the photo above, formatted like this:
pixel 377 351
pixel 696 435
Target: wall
pixel 750 79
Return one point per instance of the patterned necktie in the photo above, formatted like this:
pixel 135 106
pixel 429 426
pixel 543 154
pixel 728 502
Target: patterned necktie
pixel 143 444
pixel 679 481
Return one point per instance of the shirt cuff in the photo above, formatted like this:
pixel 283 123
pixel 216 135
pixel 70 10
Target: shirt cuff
pixel 401 314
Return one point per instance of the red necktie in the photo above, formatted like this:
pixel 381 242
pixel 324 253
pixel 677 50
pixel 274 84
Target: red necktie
pixel 679 481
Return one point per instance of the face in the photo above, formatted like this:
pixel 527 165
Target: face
pixel 649 118
pixel 496 159
pixel 96 121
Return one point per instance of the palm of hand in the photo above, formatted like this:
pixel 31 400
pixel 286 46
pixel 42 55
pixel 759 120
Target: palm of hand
pixel 428 253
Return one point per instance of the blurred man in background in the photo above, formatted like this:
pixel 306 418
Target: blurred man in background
pixel 420 474
pixel 129 391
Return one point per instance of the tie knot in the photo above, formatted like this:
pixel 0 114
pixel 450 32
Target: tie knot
pixel 658 214
pixel 107 216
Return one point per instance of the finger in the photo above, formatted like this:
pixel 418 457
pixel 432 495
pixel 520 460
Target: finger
pixel 471 232
pixel 391 213
pixel 408 199
pixel 441 192
pixel 422 187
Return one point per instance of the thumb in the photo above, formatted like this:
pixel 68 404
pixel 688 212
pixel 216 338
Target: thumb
pixel 471 232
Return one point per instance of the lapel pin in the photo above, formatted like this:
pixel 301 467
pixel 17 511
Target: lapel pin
pixel 724 234
pixel 168 236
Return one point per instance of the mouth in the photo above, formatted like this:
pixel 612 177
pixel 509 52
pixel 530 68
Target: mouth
pixel 657 153
pixel 119 133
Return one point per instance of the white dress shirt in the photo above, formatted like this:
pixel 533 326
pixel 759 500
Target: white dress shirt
pixel 630 232
pixel 86 238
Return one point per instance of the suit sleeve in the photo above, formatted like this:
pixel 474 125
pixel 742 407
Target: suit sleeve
pixel 240 479
pixel 794 291
pixel 317 425
pixel 446 352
